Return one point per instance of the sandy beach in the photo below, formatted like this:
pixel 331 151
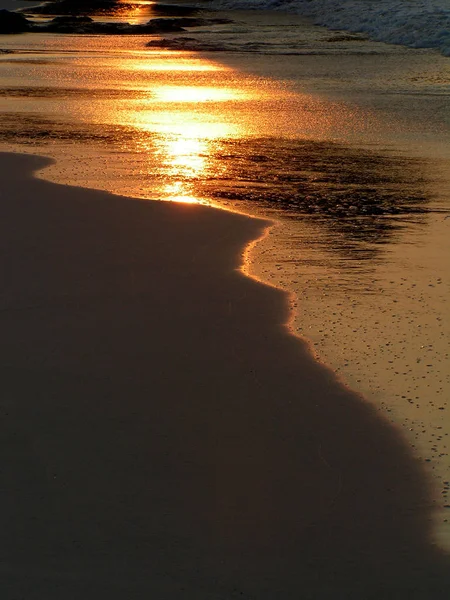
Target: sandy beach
pixel 224 304
pixel 163 435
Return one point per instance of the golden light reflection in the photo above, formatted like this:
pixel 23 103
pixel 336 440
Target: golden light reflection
pixel 166 63
pixel 134 13
pixel 187 154
pixel 185 93
pixel 177 192
pixel 178 109
pixel 186 125
pixel 185 160
pixel 187 132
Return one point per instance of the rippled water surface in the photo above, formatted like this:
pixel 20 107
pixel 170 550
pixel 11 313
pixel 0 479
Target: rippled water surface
pixel 345 142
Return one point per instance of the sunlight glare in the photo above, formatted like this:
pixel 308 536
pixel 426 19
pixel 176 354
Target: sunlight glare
pixel 184 93
pixel 185 64
pixel 177 191
pixel 187 154
pixel 175 65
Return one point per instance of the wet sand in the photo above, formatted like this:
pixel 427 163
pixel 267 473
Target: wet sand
pixel 162 433
pixel 369 292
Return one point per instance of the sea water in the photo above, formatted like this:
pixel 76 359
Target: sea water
pixel 416 23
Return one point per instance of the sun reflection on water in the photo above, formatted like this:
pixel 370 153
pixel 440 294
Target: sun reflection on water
pixel 185 160
pixel 175 113
pixel 173 61
pixel 137 11
pixel 184 93
pixel 185 134
pixel 185 152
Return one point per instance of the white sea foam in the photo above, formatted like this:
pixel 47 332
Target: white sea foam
pixel 415 23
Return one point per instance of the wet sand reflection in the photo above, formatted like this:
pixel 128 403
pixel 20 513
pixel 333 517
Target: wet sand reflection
pixel 175 126
pixel 193 452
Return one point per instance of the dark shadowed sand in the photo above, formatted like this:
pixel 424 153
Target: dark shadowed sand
pixel 163 436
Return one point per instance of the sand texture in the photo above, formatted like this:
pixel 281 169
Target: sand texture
pixel 163 436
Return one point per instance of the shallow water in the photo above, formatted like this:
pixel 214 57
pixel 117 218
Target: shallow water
pixel 345 142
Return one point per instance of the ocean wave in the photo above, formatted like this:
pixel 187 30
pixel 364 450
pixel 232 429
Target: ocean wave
pixel 417 23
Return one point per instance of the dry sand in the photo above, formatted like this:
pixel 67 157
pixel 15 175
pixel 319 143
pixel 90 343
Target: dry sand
pixel 164 436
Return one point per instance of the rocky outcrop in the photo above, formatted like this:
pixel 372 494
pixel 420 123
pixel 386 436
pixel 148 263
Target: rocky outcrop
pixel 80 8
pixel 174 10
pixel 74 24
pixel 67 25
pixel 104 8
pixel 73 17
pixel 11 22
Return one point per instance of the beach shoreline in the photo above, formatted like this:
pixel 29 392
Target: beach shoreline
pixel 177 428
pixel 164 433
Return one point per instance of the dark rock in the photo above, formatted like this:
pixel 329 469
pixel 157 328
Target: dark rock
pixel 81 7
pixel 71 19
pixel 73 24
pixel 178 43
pixel 113 8
pixel 174 10
pixel 11 22
pixel 167 25
pixel 67 24
pixel 73 7
pixel 186 43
